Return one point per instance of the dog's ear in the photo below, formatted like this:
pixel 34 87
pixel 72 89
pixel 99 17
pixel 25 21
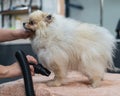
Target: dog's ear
pixel 48 18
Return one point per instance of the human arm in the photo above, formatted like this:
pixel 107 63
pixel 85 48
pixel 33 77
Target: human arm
pixel 8 34
pixel 14 69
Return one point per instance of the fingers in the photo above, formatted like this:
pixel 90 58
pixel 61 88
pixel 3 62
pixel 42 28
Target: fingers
pixel 26 33
pixel 32 70
pixel 31 59
pixel 21 33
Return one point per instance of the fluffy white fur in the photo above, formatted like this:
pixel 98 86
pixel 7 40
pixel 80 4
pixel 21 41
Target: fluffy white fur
pixel 62 44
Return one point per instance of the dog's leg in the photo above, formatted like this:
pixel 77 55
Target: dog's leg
pixel 56 60
pixel 95 81
pixel 95 78
pixel 60 72
pixel 94 68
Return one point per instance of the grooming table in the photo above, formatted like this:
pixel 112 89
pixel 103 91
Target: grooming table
pixel 74 85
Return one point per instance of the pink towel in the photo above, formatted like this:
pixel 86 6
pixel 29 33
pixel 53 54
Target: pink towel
pixel 74 85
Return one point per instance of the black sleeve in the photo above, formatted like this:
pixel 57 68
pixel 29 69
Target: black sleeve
pixel 118 27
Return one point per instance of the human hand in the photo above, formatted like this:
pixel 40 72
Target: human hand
pixel 14 69
pixel 22 33
pixel 31 59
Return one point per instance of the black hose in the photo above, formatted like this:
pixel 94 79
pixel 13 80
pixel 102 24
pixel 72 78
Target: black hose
pixel 39 69
pixel 21 57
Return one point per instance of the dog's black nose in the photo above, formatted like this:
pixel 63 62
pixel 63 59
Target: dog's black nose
pixel 24 24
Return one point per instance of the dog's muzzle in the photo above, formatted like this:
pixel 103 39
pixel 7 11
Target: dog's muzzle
pixel 27 29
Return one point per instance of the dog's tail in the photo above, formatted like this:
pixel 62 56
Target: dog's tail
pixel 111 65
pixel 113 69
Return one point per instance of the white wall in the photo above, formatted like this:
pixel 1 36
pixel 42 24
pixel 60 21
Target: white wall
pixel 91 12
pixel 111 14
pixel 48 6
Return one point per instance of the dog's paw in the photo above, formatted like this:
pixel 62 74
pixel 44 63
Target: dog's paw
pixel 54 83
pixel 95 84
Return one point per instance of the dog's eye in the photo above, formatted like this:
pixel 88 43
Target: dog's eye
pixel 31 22
pixel 49 17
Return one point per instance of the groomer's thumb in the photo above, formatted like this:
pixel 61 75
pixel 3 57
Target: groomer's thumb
pixel 32 70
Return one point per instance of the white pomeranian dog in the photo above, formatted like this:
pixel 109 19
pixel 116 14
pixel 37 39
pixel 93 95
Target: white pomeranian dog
pixel 62 44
